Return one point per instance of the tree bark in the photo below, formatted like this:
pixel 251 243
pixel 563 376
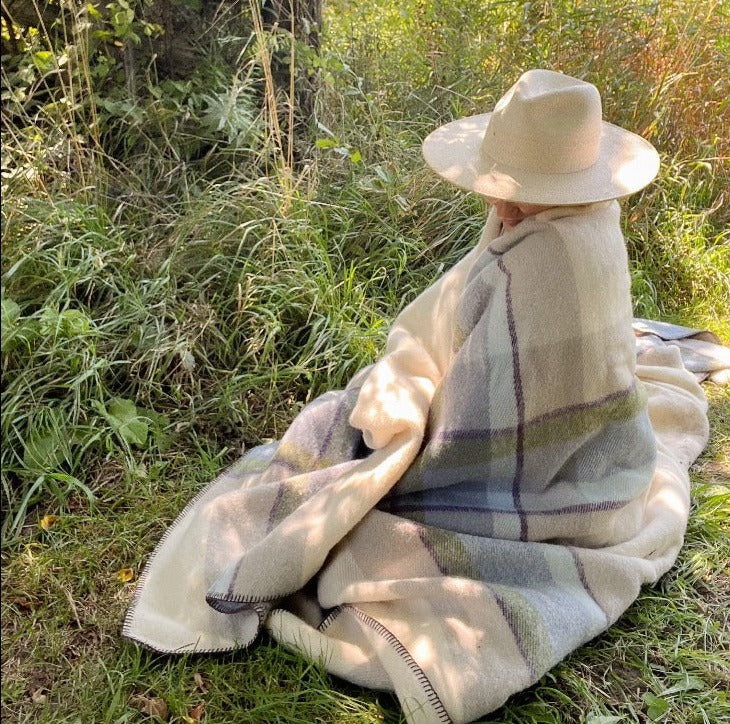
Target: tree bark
pixel 305 14
pixel 302 18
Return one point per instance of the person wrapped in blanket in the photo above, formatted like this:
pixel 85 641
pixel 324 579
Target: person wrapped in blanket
pixel 548 411
pixel 491 493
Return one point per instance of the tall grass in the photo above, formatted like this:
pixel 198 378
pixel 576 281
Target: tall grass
pixel 180 276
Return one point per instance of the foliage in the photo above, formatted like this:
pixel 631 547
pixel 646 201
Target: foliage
pixel 180 274
pixel 88 88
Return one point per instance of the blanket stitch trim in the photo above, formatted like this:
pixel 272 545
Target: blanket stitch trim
pixel 142 579
pixel 395 643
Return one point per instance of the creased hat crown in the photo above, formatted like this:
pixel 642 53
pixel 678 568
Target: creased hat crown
pixel 547 122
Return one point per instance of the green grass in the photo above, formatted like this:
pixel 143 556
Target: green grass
pixel 170 305
pixel 62 647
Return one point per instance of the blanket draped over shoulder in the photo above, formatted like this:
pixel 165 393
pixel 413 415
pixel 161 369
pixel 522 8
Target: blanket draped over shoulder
pixel 487 497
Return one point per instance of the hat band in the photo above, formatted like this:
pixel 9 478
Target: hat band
pixel 535 152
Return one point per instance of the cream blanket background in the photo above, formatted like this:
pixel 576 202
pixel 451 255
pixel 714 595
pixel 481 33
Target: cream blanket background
pixel 487 497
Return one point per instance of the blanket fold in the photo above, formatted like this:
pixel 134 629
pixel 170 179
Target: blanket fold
pixel 488 496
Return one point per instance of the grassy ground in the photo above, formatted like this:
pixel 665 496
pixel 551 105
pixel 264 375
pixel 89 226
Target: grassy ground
pixel 63 601
pixel 164 308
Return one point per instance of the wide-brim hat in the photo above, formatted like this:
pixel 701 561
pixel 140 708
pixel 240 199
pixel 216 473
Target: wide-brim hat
pixel 545 143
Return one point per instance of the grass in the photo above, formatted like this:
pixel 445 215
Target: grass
pixel 171 296
pixel 64 661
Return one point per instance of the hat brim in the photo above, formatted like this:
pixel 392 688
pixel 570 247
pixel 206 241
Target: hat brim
pixel 626 163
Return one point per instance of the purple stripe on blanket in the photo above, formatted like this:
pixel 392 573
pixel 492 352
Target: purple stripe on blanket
pixel 512 622
pixel 428 545
pixel 291 492
pixel 580 570
pixel 501 432
pixel 288 465
pixel 520 400
pixel 394 507
pixel 344 406
pixel 274 512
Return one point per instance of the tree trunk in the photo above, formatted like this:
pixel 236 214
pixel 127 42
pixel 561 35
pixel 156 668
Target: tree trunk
pixel 305 14
pixel 303 18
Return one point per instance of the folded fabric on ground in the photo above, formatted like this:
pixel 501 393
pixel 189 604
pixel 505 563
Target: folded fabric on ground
pixel 701 351
pixel 487 497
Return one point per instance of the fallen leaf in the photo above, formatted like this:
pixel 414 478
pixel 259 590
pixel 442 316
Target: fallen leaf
pixel 125 575
pixel 195 715
pixel 22 602
pixel 200 682
pixel 154 706
pixel 48 521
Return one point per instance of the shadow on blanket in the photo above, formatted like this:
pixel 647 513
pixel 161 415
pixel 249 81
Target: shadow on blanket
pixel 452 621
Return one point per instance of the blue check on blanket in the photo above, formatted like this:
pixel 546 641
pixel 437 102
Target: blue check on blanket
pixel 488 496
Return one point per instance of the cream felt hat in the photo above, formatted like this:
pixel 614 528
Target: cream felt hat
pixel 545 143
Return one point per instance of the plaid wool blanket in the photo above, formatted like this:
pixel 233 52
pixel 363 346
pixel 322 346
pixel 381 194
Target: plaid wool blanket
pixel 487 497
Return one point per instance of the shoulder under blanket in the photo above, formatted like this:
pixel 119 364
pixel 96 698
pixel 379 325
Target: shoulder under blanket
pixel 487 497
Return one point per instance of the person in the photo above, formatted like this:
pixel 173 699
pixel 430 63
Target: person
pixel 557 327
pixel 493 491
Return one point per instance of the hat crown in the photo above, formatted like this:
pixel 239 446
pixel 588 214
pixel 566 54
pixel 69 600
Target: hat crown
pixel 547 122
